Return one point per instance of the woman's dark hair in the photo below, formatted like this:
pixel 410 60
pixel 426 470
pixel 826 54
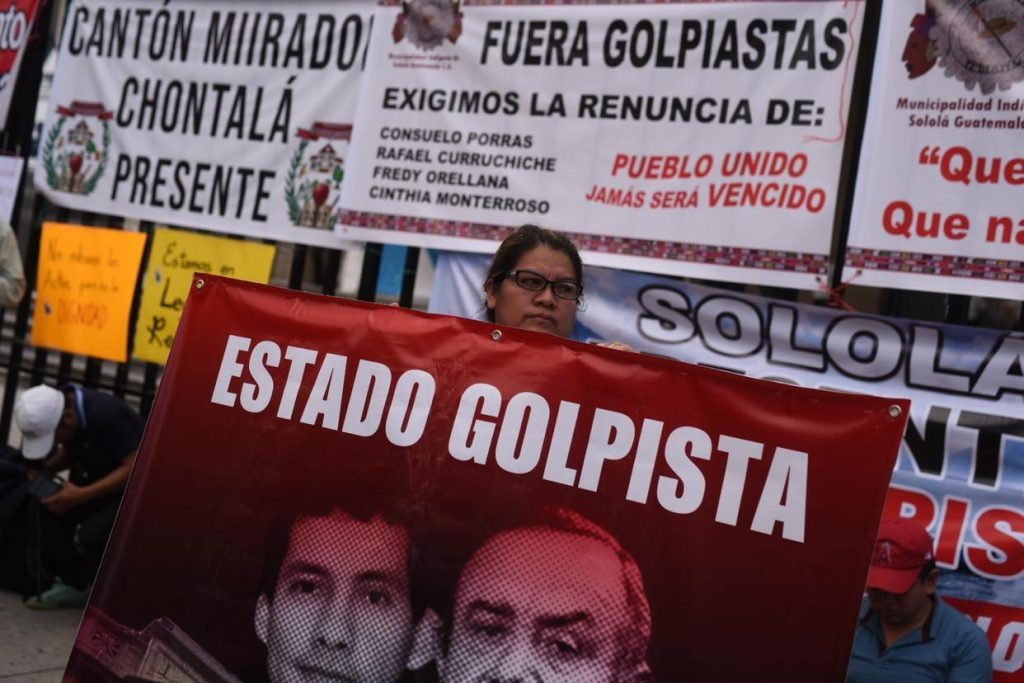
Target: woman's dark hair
pixel 523 240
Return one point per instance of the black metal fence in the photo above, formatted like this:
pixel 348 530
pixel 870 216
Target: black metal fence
pixel 318 269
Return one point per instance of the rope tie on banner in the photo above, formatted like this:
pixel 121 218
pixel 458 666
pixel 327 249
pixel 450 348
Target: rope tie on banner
pixel 835 294
pixel 842 93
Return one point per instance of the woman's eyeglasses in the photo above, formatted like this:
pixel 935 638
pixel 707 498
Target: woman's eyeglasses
pixel 535 282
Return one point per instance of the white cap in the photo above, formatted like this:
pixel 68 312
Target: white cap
pixel 37 413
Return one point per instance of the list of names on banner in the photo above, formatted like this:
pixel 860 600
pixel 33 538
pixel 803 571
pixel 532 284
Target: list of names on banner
pixel 456 169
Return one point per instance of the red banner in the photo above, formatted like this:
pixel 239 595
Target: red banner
pixel 1005 633
pixel 16 17
pixel 333 490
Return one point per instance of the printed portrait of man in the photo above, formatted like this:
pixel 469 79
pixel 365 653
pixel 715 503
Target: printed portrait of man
pixel 555 600
pixel 337 603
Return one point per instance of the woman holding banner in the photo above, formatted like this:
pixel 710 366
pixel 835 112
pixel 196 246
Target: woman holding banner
pixel 517 287
pixel 535 282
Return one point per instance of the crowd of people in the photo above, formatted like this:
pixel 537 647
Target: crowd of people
pixel 342 596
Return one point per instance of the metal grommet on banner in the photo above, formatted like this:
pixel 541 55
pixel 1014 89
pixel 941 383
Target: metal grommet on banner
pixel 199 284
pixel 496 335
pixel 895 411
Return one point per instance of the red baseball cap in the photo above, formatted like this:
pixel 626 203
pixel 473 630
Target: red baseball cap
pixel 901 549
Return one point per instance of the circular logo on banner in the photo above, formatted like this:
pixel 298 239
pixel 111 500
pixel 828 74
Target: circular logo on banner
pixel 428 23
pixel 313 184
pixel 76 148
pixel 981 42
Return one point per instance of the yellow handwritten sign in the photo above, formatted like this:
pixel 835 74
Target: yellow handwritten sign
pixel 173 258
pixel 86 283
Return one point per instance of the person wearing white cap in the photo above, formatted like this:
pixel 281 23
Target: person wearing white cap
pixel 96 437
pixel 37 413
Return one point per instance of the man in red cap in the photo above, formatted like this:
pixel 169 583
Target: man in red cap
pixel 906 632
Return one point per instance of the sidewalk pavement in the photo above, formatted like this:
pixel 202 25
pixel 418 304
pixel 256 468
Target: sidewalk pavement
pixel 34 646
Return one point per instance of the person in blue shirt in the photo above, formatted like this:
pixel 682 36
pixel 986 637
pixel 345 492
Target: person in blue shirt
pixel 95 436
pixel 906 633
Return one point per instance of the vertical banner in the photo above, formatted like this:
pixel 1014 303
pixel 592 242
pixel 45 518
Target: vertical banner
pixel 233 117
pixel 174 256
pixel 85 288
pixel 937 200
pixel 322 495
pixel 689 138
pixel 16 19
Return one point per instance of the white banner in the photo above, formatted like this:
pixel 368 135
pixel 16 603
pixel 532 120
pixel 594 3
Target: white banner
pixel 937 201
pixel 961 467
pixel 234 117
pixel 684 137
pixel 10 183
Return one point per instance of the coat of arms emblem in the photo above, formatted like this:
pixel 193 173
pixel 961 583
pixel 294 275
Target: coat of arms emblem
pixel 428 23
pixel 978 42
pixel 313 183
pixel 77 146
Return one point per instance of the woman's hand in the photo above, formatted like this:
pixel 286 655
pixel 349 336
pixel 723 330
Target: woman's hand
pixel 618 346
